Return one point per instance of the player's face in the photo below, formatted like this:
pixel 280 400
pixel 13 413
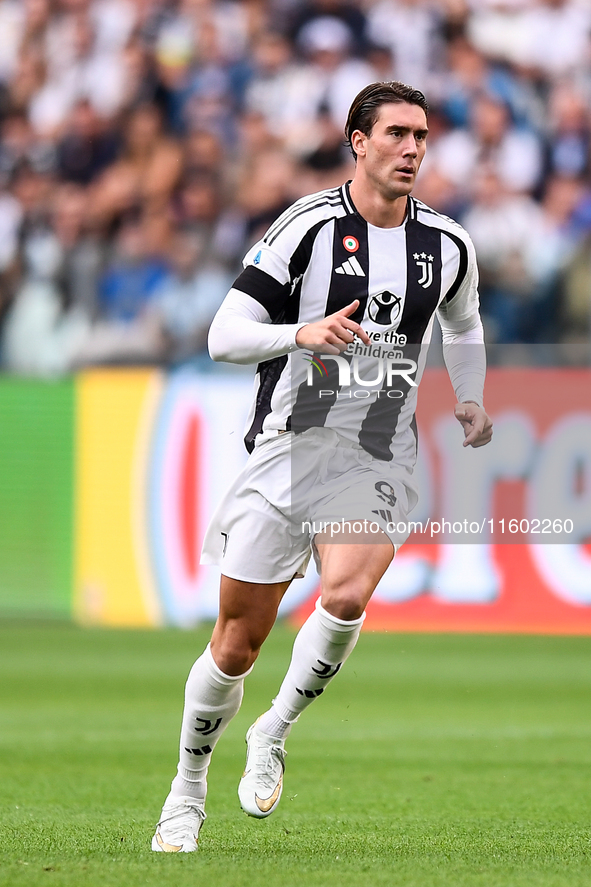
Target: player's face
pixel 392 154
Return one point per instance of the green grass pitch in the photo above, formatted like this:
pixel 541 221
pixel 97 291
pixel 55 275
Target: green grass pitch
pixel 432 761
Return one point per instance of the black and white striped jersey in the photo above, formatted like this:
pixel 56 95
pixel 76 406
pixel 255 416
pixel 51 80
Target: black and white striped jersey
pixel 316 259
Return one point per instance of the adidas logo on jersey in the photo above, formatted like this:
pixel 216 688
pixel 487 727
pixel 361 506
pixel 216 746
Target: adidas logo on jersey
pixel 351 267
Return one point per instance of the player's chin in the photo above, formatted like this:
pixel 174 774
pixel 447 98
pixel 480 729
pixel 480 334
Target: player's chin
pixel 395 192
pixel 404 184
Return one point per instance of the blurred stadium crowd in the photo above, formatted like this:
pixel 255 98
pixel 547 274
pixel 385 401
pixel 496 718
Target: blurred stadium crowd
pixel 145 144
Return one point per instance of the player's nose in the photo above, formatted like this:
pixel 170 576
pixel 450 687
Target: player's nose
pixel 410 147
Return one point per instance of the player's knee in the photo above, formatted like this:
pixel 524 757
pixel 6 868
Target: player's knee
pixel 345 602
pixel 233 659
pixel 235 648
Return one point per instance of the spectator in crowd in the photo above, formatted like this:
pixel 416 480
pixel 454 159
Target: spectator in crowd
pixel 557 36
pixel 338 75
pixel 50 318
pixel 522 249
pixel 278 90
pixel 268 186
pixel 19 145
pixel 187 299
pixel 79 68
pixel 515 153
pixel 349 14
pixel 146 172
pixel 412 31
pixel 569 141
pixel 88 145
pixel 199 208
pixel 126 329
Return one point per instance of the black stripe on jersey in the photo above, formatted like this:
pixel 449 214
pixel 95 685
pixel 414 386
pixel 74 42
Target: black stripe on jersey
pixel 462 270
pixel 347 197
pixel 462 249
pixel 422 207
pixel 270 371
pixel 381 420
pixel 300 259
pixel 344 288
pixel 275 297
pixel 269 374
pixel 379 426
pixel 298 265
pixel 421 299
pixel 310 410
pixel 333 201
pixel 302 203
pixel 261 286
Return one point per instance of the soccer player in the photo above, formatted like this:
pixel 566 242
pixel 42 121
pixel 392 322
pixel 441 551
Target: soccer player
pixel 336 305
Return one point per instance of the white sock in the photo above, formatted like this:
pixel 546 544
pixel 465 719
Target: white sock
pixel 212 698
pixel 320 648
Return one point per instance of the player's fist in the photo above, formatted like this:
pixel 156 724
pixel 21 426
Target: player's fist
pixel 334 333
pixel 477 425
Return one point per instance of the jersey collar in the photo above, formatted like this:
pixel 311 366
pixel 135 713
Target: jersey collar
pixel 411 207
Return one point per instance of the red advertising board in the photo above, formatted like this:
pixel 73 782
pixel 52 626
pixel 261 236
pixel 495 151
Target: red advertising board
pixel 527 565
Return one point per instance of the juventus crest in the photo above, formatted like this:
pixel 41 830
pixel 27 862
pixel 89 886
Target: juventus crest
pixel 424 263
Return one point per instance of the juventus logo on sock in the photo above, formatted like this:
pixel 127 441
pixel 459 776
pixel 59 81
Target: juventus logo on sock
pixel 326 670
pixel 208 726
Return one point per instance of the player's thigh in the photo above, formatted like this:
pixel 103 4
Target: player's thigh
pixel 350 573
pixel 247 614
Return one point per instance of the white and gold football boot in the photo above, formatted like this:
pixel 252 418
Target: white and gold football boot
pixel 261 785
pixel 179 825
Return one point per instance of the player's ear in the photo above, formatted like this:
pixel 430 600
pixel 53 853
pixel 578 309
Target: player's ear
pixel 358 140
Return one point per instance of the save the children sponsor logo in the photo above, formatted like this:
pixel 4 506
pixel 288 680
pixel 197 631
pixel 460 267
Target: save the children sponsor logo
pixel 385 308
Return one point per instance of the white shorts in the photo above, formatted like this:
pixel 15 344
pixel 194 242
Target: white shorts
pixel 293 487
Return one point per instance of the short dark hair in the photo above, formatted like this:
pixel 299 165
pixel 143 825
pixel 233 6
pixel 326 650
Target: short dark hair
pixel 364 111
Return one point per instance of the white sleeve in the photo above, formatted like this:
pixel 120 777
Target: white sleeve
pixel 465 357
pixel 463 337
pixel 242 332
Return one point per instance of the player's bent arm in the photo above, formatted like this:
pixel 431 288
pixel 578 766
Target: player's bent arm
pixel 242 332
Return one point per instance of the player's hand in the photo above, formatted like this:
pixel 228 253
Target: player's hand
pixel 332 334
pixel 477 425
